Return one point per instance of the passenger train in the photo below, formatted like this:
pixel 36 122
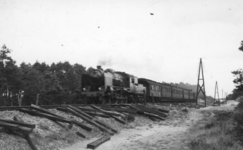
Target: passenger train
pixel 109 86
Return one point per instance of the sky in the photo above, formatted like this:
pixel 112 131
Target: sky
pixel 162 40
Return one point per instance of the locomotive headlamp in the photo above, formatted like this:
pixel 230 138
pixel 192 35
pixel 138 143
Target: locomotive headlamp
pixel 84 89
pixel 99 88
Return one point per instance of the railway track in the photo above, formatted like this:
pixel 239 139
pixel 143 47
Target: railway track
pixel 165 102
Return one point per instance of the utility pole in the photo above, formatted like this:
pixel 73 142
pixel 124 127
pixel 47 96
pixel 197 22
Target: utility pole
pixel 201 87
pixel 216 93
pixel 225 97
pixel 222 94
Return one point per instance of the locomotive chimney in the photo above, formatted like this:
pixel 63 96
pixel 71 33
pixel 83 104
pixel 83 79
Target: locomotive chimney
pixel 99 68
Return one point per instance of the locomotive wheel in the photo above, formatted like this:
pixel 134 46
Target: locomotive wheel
pixel 141 100
pixel 120 100
pixel 129 99
pixel 137 100
pixel 115 100
pixel 133 100
pixel 85 100
pixel 107 99
pixel 102 99
pixel 125 101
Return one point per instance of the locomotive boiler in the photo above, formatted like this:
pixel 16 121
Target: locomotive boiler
pixel 102 86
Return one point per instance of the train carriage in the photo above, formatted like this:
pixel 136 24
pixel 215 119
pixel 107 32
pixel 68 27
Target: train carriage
pixel 186 94
pixel 191 95
pixel 177 93
pixel 166 90
pixel 153 88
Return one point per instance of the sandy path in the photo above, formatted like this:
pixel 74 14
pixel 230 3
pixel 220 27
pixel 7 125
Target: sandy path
pixel 147 137
pixel 168 135
pixel 156 137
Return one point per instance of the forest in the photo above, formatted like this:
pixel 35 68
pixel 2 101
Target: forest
pixel 40 83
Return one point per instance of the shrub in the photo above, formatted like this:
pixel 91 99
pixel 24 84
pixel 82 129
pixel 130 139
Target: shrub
pixel 209 125
pixel 200 144
pixel 44 126
pixel 240 105
pixel 238 119
pixel 218 133
pixel 129 118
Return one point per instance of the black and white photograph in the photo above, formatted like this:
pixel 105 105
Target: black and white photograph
pixel 121 74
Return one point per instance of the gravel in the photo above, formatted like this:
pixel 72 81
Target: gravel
pixel 49 135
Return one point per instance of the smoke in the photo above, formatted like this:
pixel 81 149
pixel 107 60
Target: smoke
pixel 105 62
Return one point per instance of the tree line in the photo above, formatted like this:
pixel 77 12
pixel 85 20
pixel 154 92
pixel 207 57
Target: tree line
pixel 238 81
pixel 58 83
pixel 40 83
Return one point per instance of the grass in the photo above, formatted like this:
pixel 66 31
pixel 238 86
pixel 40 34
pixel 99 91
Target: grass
pixel 69 137
pixel 219 132
pixel 43 126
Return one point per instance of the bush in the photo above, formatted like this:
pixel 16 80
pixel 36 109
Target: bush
pixel 43 126
pixel 209 125
pixel 238 119
pixel 240 105
pixel 200 144
pixel 129 118
pixel 238 113
pixel 218 133
pixel 239 99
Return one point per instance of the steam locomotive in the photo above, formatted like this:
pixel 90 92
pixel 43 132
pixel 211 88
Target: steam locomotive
pixel 109 86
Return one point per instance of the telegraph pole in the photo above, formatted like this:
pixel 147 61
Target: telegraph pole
pixel 222 93
pixel 216 93
pixel 201 87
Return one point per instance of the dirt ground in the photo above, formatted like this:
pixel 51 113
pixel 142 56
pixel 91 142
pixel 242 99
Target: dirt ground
pixel 168 135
